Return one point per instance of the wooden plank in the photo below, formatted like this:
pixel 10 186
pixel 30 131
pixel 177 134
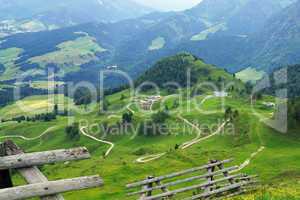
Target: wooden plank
pixel 219 191
pixel 50 188
pixel 32 175
pixel 145 182
pixel 185 180
pixel 5 179
pixel 42 158
pixel 150 185
pixel 203 185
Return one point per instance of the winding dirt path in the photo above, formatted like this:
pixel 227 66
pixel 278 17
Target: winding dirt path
pixel 128 108
pixel 29 139
pixel 188 144
pixel 206 98
pixel 184 146
pixel 114 116
pixel 199 132
pixel 198 138
pixel 149 158
pixel 248 161
pixel 112 145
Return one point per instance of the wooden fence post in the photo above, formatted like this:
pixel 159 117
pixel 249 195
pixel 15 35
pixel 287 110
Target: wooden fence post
pixel 147 186
pixel 150 185
pixel 5 179
pixel 210 170
pixel 32 175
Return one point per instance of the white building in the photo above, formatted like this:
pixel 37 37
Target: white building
pixel 220 94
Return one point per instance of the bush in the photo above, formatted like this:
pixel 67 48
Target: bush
pixel 127 117
pixel 73 132
pixel 160 117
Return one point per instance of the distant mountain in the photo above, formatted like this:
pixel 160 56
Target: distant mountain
pixel 239 16
pixel 216 11
pixel 236 35
pixel 253 15
pixel 60 13
pixel 71 11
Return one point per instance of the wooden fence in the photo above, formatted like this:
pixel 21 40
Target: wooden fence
pixel 12 157
pixel 206 185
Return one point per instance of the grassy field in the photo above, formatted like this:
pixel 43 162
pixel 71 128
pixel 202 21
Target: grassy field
pixel 45 84
pixel 278 166
pixel 157 44
pixel 34 105
pixel 71 53
pixel 7 58
pixel 250 74
pixel 213 29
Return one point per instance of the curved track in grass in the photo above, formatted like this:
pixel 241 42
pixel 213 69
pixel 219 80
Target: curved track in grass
pixel 198 138
pixel 149 158
pixel 112 145
pixel 248 161
pixel 27 138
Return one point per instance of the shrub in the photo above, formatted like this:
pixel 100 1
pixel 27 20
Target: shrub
pixel 73 132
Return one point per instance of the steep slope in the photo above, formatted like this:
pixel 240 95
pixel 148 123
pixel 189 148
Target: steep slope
pixel 238 16
pixel 278 42
pixel 214 11
pixel 182 69
pixel 254 15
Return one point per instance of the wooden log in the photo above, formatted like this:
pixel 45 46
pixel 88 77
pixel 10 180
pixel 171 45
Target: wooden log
pixel 185 180
pixel 42 158
pixel 145 182
pixel 219 191
pixel 32 175
pixel 50 188
pixel 5 179
pixel 186 189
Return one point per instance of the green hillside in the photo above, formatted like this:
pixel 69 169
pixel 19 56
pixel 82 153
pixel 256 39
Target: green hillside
pixel 183 68
pixel 67 57
pixel 120 166
pixel 276 159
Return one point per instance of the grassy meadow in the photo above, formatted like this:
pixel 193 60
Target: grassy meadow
pixel 278 166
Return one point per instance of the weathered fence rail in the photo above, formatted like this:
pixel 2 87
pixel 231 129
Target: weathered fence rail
pixel 204 186
pixel 50 188
pixel 42 158
pixel 12 157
